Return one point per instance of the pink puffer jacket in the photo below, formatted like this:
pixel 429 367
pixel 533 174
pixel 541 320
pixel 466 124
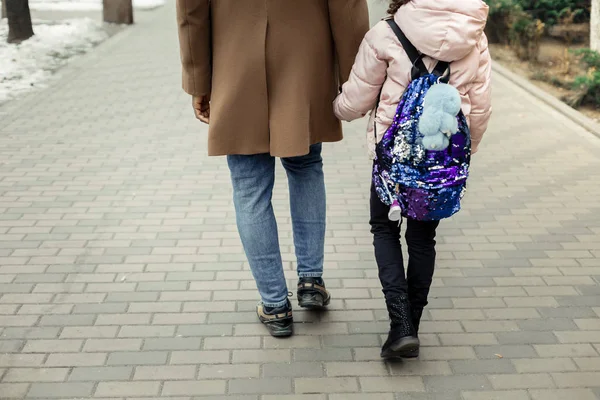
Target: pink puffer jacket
pixel 444 30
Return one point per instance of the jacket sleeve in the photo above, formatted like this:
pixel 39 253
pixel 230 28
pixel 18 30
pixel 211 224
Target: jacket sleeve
pixel 349 21
pixel 193 20
pixel 361 93
pixel 480 95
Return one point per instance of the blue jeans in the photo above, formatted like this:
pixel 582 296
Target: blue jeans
pixel 253 178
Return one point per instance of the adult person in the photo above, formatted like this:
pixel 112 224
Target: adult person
pixel 263 74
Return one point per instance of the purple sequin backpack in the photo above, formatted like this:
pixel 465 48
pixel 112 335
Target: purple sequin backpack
pixel 419 176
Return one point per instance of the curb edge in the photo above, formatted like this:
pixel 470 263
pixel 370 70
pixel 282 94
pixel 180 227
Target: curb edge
pixel 585 122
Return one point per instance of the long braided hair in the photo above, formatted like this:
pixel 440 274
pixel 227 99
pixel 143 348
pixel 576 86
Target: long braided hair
pixel 395 5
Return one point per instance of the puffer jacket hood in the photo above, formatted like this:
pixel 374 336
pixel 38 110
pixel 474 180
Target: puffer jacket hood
pixel 446 30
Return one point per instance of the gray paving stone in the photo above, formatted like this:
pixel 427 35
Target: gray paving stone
pixel 60 390
pixel 566 312
pixel 263 356
pixel 75 359
pixel 445 353
pixel 521 381
pixel 492 366
pixel 547 324
pixel 562 394
pixel 420 368
pixel 576 379
pixel 67 320
pixel 544 365
pixel 36 375
pixel 565 350
pixel 137 358
pixel 11 346
pixel 526 337
pixel 392 384
pixel 205 330
pixel 78 332
pixel 295 342
pixel 349 396
pixel 467 339
pixel 261 386
pixel 344 369
pixel 146 331
pixel 108 345
pixel 14 390
pixel 496 395
pixel 505 351
pixel 102 374
pixel 172 344
pixel 351 340
pixel 163 372
pixel 123 319
pixel 129 389
pixel 326 385
pixel 453 383
pixel 291 370
pixel 102 308
pixel 227 371
pixel 328 354
pixel 454 395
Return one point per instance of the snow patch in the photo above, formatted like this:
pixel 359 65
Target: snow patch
pixel 86 5
pixel 28 65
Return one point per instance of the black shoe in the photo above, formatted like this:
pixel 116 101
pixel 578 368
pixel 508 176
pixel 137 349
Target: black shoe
pixel 312 293
pixel 402 340
pixel 279 321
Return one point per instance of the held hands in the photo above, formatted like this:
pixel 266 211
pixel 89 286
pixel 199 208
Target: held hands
pixel 201 105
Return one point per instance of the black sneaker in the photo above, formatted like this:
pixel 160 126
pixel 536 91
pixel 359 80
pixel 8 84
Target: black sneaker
pixel 279 321
pixel 312 293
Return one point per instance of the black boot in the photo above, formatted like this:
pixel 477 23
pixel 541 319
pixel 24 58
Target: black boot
pixel 416 313
pixel 402 340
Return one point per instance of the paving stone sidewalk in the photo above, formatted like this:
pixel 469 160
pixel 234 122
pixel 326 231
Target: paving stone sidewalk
pixel 122 276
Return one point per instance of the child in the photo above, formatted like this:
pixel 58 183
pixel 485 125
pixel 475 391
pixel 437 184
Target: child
pixel 441 30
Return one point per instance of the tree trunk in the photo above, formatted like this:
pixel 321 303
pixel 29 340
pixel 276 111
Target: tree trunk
pixel 595 26
pixel 19 20
pixel 118 11
pixel 3 9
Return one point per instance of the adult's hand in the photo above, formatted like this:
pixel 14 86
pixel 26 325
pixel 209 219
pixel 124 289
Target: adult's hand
pixel 201 105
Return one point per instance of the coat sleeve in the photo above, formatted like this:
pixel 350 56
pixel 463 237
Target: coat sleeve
pixel 193 20
pixel 349 20
pixel 361 93
pixel 480 95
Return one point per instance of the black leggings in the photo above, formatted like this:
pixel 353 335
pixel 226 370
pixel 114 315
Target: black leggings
pixel 420 239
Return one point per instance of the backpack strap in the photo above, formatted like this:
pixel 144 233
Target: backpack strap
pixel 442 68
pixel 419 69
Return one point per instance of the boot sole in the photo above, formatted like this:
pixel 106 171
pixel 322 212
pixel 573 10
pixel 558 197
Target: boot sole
pixel 315 303
pixel 282 334
pixel 403 348
pixel 279 332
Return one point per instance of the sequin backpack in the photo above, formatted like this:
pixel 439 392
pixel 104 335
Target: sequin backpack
pixel 423 176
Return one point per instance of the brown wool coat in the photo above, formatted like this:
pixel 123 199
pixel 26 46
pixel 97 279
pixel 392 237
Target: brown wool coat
pixel 272 67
